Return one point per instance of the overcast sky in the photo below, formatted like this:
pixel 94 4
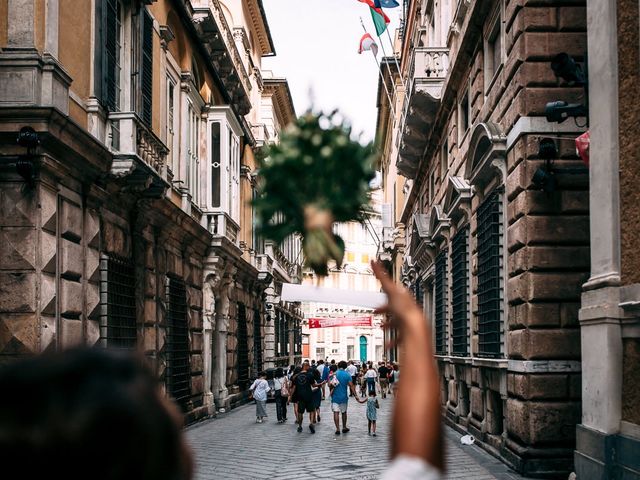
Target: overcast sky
pixel 316 45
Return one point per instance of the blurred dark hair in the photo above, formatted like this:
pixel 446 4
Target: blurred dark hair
pixel 342 364
pixel 333 368
pixel 279 372
pixel 89 413
pixel 316 374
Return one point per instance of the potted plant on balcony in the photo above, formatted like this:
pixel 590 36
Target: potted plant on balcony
pixel 317 175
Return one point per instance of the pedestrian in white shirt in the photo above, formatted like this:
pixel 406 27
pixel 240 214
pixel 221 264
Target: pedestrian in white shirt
pixel 370 378
pixel 259 390
pixel 353 371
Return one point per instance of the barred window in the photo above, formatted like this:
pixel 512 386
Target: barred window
pixel 490 294
pixel 460 292
pixel 243 349
pixel 178 374
pixel 441 303
pixel 257 342
pixel 118 302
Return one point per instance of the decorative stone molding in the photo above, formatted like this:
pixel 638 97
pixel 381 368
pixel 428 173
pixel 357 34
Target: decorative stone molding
pixel 457 200
pixel 487 144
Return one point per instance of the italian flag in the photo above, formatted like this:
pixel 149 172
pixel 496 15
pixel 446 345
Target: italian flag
pixel 380 19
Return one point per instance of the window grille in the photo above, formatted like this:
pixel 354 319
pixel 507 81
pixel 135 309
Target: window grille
pixel 297 337
pixel 441 303
pixel 178 374
pixel 243 349
pixel 257 342
pixel 460 292
pixel 118 302
pixel 490 293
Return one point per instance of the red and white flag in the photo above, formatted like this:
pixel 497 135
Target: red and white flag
pixel 368 43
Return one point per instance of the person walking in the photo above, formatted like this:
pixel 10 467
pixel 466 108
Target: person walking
pixel 317 393
pixel 352 370
pixel 340 382
pixel 259 390
pixel 396 378
pixel 321 369
pixel 325 378
pixel 281 387
pixel 370 377
pixel 303 385
pixel 293 397
pixel 383 371
pixel 372 412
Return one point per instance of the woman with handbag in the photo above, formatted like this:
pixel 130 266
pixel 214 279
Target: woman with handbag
pixel 281 387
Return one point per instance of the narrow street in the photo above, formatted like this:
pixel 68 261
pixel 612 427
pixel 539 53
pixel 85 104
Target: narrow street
pixel 233 446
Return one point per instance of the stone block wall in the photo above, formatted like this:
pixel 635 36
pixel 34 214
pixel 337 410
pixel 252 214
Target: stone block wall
pixel 524 405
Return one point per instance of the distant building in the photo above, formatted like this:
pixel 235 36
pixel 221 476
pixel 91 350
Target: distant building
pixel 349 343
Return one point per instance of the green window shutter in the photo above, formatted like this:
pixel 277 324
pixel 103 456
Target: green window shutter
pixel 147 67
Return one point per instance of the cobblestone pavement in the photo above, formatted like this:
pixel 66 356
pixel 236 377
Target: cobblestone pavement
pixel 233 446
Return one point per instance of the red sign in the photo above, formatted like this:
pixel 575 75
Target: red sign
pixel 340 322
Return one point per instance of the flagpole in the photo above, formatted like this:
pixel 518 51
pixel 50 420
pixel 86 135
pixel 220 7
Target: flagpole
pixel 383 52
pixel 386 89
pixel 395 59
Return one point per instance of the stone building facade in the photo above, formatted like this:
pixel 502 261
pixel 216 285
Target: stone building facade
pixel 608 436
pixel 497 261
pixel 126 152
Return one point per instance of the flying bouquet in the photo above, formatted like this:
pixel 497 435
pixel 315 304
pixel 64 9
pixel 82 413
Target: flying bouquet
pixel 315 176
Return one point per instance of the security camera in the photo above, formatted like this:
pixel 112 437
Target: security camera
pixel 547 149
pixel 560 110
pixel 28 137
pixel 544 179
pixel 565 67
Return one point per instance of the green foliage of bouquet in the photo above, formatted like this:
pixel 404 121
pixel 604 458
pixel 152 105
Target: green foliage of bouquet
pixel 315 176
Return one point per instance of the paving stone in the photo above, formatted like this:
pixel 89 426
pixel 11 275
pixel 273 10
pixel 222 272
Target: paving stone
pixel 232 446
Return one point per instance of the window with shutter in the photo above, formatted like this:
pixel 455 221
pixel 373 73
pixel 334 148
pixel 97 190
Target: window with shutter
pixel 490 295
pixel 112 45
pixel 441 303
pixel 147 68
pixel 459 292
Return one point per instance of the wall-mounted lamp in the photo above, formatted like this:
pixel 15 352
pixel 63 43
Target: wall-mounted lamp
pixel 28 138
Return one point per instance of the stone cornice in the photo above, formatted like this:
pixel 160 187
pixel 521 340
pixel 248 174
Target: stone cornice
pixel 279 88
pixel 261 27
pixel 59 136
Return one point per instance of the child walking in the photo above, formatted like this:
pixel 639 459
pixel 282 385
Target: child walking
pixel 259 389
pixel 372 413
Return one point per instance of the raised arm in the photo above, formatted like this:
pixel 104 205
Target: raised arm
pixel 417 429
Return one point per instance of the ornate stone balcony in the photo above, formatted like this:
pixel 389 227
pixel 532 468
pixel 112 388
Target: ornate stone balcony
pixel 140 157
pixel 260 133
pixel 264 264
pixel 428 70
pixel 221 225
pixel 218 38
